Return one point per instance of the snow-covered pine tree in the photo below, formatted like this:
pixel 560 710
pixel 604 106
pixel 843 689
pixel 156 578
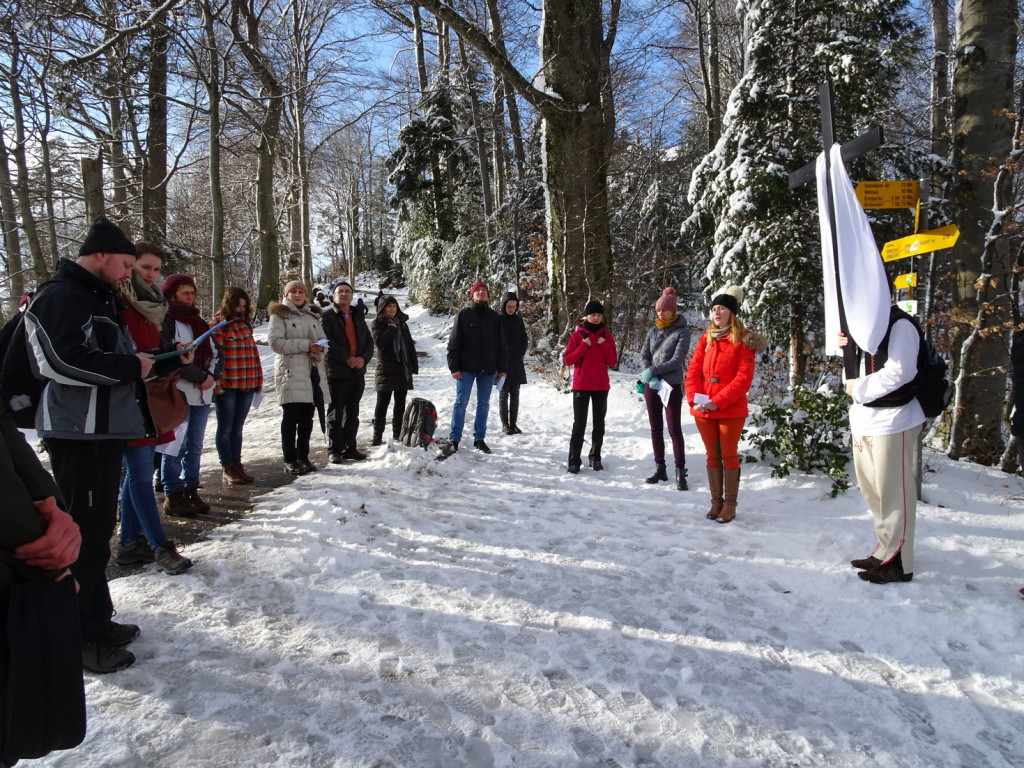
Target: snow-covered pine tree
pixel 439 238
pixel 754 230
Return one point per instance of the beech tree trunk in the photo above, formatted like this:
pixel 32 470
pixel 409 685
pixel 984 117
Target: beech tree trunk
pixel 982 141
pixel 575 102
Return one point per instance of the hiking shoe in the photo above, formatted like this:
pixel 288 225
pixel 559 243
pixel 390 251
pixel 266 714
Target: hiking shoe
pixel 308 465
pixel 137 553
pixel 595 464
pixel 335 458
pixel 866 564
pixel 481 446
pixel 200 506
pixel 574 469
pixel 888 573
pixel 353 454
pixel 294 468
pixel 177 504
pixel 119 634
pixel 102 657
pixel 169 561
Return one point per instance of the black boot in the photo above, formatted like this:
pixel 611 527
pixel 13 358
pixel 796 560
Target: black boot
pixel 378 432
pixel 681 479
pixel 659 474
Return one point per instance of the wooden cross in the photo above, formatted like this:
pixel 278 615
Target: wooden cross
pixel 866 141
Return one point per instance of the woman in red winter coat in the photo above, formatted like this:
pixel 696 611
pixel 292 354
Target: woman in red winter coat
pixel 717 381
pixel 590 352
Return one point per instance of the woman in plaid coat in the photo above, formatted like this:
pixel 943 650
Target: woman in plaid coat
pixel 240 380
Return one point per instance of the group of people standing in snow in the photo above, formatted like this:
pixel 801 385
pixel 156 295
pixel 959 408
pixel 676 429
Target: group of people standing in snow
pixel 128 371
pixel 715 384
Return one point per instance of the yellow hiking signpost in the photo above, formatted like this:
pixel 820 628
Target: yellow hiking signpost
pixel 888 194
pixel 922 242
pixel 908 280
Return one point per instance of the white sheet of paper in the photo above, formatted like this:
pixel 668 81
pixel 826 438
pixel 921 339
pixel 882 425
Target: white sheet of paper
pixel 665 392
pixel 699 399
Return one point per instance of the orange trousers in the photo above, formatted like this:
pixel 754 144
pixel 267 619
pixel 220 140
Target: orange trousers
pixel 721 440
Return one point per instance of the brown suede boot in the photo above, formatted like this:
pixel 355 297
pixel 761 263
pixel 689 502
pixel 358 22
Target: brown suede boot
pixel 177 504
pixel 715 486
pixel 230 474
pixel 732 489
pixel 196 501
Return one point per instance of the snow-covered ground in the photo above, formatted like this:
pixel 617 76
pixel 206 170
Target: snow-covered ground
pixel 496 611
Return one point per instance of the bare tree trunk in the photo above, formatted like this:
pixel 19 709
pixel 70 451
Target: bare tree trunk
pixel 983 88
pixel 579 121
pixel 272 97
pixel 213 93
pixel 940 132
pixel 154 187
pixel 21 187
pixel 421 62
pixel 481 150
pixel 9 221
pixel 92 186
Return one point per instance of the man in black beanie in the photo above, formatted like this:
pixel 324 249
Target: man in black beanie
pixel 88 412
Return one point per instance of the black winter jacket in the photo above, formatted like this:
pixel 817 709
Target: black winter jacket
pixel 337 348
pixel 80 343
pixel 516 340
pixel 476 343
pixel 396 352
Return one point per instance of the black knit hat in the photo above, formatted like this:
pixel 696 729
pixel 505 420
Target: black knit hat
pixel 106 237
pixel 594 307
pixel 729 298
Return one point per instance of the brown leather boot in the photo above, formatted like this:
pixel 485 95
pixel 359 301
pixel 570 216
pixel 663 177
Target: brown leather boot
pixel 715 486
pixel 177 504
pixel 230 474
pixel 246 477
pixel 732 489
pixel 194 499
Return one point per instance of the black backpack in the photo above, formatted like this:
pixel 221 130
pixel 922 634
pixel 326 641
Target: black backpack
pixel 20 389
pixel 419 423
pixel 930 386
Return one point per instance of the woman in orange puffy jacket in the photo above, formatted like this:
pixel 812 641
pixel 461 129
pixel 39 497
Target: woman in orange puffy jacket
pixel 717 381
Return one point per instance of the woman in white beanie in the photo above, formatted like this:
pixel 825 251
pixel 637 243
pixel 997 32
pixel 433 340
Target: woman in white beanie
pixel 717 381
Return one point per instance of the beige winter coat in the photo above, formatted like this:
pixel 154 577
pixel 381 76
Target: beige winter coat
pixel 291 330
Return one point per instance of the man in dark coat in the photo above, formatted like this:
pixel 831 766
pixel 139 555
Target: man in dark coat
pixel 94 402
pixel 476 352
pixel 349 349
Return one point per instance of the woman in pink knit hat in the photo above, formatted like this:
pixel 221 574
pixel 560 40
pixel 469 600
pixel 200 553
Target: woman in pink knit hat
pixel 664 359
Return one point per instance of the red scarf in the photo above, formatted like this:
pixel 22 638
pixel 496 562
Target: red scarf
pixel 190 317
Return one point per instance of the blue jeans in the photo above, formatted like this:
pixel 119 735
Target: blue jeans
pixel 139 513
pixel 183 470
pixel 232 410
pixel 463 387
